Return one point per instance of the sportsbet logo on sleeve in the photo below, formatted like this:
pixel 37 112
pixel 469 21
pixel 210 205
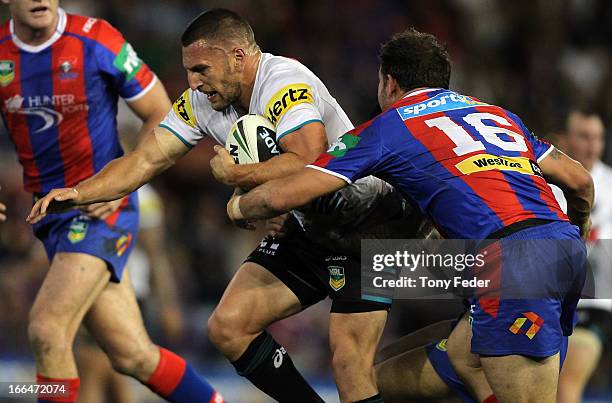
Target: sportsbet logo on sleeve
pixel 182 108
pixel 285 99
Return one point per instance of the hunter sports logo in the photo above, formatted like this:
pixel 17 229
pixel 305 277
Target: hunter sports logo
pixel 182 107
pixel 7 72
pixel 336 277
pixel 123 243
pixel 287 98
pixel 78 230
pixel 488 162
pixel 536 325
pixel 343 144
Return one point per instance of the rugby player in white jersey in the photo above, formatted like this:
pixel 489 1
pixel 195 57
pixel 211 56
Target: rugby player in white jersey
pixel 584 141
pixel 229 77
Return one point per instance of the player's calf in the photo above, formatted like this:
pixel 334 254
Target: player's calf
pixel 354 339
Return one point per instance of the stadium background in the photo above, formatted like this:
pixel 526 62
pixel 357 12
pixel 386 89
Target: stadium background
pixel 537 58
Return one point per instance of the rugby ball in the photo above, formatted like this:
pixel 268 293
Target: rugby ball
pixel 252 139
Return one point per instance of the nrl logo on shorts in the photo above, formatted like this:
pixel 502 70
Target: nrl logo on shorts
pixel 7 72
pixel 336 277
pixel 78 231
pixel 123 243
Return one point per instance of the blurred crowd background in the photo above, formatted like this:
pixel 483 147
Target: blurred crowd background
pixel 537 58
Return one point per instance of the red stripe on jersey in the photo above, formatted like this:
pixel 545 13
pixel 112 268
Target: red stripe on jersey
pixel 17 123
pixel 144 76
pixel 109 36
pixel 73 134
pixel 546 193
pixel 112 219
pixel 490 186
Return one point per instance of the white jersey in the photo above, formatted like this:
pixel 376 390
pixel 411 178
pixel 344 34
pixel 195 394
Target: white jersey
pixel 600 239
pixel 285 92
pixel 290 96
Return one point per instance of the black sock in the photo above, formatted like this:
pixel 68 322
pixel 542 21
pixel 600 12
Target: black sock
pixel 268 366
pixel 377 398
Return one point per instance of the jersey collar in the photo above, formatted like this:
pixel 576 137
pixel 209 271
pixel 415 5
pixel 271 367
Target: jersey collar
pixel 419 91
pixel 59 30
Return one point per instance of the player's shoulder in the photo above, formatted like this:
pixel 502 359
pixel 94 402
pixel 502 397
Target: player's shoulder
pixel 602 172
pixel 278 72
pixel 191 107
pixel 5 32
pixel 96 29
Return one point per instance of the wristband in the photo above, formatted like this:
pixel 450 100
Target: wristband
pixel 233 209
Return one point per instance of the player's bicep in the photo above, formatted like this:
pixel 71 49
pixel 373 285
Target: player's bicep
pixel 307 142
pixel 564 171
pixel 169 148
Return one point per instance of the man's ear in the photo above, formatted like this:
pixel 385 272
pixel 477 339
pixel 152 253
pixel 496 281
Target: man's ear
pixel 239 58
pixel 391 86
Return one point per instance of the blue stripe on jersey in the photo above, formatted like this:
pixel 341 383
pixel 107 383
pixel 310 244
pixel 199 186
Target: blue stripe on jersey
pixel 432 184
pixel 45 144
pixel 102 102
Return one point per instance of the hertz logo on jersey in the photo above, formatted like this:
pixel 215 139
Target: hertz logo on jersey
pixel 488 162
pixel 182 107
pixel 285 99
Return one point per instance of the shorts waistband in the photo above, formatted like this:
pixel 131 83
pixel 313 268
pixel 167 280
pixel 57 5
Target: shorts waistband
pixel 518 226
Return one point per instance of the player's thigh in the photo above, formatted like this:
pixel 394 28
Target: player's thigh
pixel 254 299
pixel 115 321
pixel 517 378
pixel 72 283
pixel 583 354
pixel 360 330
pixel 410 377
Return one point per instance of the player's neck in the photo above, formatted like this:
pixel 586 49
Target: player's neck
pixel 248 83
pixel 32 36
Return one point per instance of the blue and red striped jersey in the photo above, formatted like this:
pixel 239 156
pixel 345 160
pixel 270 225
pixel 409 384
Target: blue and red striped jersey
pixel 59 99
pixel 471 167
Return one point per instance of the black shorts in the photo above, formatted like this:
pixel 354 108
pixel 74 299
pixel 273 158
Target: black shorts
pixel 598 321
pixel 313 272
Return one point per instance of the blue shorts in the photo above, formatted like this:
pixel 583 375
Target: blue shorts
pixel 541 272
pixel 438 357
pixel 111 239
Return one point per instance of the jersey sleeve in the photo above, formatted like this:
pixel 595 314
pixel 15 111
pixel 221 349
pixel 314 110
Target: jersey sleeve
pixel 181 120
pixel 354 155
pixel 540 148
pixel 290 101
pixel 117 59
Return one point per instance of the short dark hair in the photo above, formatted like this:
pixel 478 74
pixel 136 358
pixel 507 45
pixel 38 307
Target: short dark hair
pixel 415 59
pixel 218 24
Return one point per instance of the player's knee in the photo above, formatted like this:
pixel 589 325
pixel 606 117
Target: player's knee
pixel 348 356
pixel 225 325
pixel 46 335
pixel 138 361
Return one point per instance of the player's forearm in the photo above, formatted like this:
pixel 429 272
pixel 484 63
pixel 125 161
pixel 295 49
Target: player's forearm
pixel 119 178
pixel 248 176
pixel 580 202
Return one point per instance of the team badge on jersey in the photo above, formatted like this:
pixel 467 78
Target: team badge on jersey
pixel 442 345
pixel 182 108
pixel 336 277
pixel 7 72
pixel 78 230
pixel 66 66
pixel 536 325
pixel 123 243
pixel 343 144
pixel 287 98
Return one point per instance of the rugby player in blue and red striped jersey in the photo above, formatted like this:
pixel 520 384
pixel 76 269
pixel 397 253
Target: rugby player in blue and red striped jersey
pixel 477 172
pixel 60 79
